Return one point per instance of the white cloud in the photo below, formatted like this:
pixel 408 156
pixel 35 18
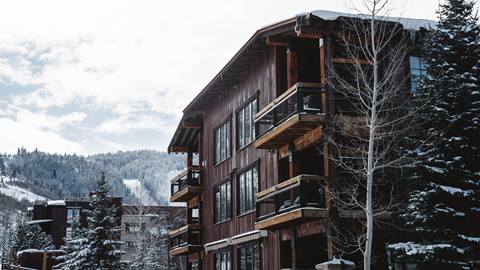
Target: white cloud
pixel 141 60
pixel 15 134
pixel 126 123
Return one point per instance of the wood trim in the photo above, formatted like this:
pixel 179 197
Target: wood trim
pixel 295 181
pixel 292 68
pixel 297 119
pixel 285 95
pixel 186 194
pixel 277 41
pixel 184 172
pixel 191 124
pixel 185 250
pixel 179 149
pixel 295 216
pixel 184 229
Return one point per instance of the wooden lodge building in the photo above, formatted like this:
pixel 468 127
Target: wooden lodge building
pixel 255 177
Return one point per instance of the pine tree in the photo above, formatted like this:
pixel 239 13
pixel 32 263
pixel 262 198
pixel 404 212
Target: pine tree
pixel 31 236
pixel 103 232
pixel 444 207
pixel 76 248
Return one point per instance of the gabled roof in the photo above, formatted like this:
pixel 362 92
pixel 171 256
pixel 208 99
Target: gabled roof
pixel 238 65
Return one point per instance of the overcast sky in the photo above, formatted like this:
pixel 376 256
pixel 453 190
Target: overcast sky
pixel 98 76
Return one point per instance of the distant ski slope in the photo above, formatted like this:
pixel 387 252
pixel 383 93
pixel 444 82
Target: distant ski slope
pixel 16 192
pixel 137 189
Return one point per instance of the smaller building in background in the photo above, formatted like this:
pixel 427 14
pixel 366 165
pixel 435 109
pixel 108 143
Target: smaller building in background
pixel 55 217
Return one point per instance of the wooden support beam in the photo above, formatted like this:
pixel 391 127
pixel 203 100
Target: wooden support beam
pixel 304 141
pixel 191 124
pixel 277 41
pixel 306 33
pixel 180 149
pixel 189 159
pixel 292 68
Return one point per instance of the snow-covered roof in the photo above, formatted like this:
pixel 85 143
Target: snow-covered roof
pixel 31 250
pixel 56 203
pixel 407 23
pixel 336 261
pixel 37 221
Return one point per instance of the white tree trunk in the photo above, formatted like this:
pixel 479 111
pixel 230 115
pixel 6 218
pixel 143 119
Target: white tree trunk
pixel 371 153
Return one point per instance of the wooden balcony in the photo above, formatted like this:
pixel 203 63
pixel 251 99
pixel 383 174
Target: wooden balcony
pixel 294 117
pixel 186 240
pixel 295 201
pixel 186 185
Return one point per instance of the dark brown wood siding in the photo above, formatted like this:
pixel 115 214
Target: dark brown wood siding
pixel 260 80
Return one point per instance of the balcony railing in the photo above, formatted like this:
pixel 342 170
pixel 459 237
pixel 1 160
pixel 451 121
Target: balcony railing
pixel 296 200
pixel 303 100
pixel 186 185
pixel 186 240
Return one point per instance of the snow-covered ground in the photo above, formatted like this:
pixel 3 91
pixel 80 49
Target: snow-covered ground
pixel 7 188
pixel 139 191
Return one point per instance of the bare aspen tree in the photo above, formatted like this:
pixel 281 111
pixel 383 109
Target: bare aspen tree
pixel 372 113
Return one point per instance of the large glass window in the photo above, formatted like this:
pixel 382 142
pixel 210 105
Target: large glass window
pixel 249 256
pixel 223 202
pixel 247 188
pixel 222 142
pixel 417 70
pixel 246 124
pixel 223 260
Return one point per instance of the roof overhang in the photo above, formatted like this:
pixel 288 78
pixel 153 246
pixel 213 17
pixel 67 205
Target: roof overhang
pixel 302 25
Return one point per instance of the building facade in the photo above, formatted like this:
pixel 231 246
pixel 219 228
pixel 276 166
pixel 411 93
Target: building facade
pixel 257 174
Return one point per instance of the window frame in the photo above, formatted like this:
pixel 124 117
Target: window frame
pixel 228 212
pixel 228 152
pixel 249 245
pixel 220 252
pixel 246 103
pixel 421 71
pixel 251 166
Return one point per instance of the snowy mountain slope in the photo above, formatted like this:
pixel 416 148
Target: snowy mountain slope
pixel 8 189
pixel 139 191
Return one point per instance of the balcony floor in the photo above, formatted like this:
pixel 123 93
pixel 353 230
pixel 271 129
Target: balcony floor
pixel 185 250
pixel 294 217
pixel 186 194
pixel 290 131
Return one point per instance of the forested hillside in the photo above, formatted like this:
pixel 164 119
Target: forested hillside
pixel 56 176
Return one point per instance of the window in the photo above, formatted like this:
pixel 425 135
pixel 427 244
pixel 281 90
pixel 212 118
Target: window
pixel 246 124
pixel 249 257
pixel 417 70
pixel 73 214
pixel 222 142
pixel 223 202
pixel 223 260
pixel 247 188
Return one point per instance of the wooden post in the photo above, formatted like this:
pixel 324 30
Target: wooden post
pixel 189 159
pixel 44 262
pixel 293 236
pixel 292 72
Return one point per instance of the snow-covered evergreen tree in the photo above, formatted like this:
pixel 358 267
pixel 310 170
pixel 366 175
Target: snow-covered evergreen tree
pixel 76 249
pixel 103 234
pixel 31 236
pixel 444 208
